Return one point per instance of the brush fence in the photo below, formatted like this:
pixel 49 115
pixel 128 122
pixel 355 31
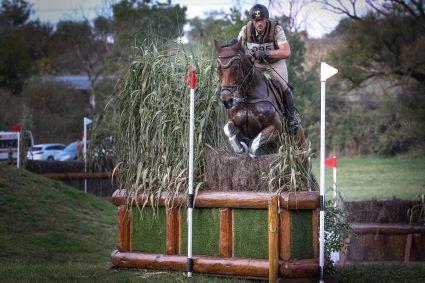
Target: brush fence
pixel 248 234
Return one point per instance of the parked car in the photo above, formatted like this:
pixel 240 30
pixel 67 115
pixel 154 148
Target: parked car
pixel 9 141
pixel 45 151
pixel 70 152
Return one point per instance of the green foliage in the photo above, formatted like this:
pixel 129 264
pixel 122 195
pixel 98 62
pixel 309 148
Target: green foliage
pixel 15 64
pixel 135 20
pixel 291 169
pixel 48 103
pixel 391 52
pixel 152 144
pixel 16 12
pixel 218 26
pixel 336 229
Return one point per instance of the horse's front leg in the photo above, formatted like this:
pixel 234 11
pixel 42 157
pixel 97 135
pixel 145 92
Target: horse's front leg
pixel 232 133
pixel 267 135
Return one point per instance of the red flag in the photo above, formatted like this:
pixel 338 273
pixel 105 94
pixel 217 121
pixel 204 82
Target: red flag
pixel 192 79
pixel 17 128
pixel 331 162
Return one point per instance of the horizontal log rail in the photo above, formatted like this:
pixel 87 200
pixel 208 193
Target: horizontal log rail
pixel 230 199
pixel 377 228
pixel 258 268
pixel 78 175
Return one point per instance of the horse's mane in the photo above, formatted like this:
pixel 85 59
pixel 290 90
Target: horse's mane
pixel 255 76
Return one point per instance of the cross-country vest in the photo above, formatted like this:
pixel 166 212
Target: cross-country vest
pixel 264 42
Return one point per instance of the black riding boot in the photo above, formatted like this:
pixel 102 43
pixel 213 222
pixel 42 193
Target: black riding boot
pixel 292 122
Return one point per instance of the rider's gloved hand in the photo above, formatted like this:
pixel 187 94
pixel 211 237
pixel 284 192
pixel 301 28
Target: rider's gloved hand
pixel 261 55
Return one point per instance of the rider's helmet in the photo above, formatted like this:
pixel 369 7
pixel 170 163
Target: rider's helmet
pixel 258 12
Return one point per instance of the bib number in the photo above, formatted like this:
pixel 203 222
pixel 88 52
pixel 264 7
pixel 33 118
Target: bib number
pixel 260 47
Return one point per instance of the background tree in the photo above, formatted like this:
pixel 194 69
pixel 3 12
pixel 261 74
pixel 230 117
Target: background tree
pixel 134 21
pixel 80 50
pixel 385 62
pixel 15 64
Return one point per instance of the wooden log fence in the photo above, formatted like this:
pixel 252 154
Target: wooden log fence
pixel 279 262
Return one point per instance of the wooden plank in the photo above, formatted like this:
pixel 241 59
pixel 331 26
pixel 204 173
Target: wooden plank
pixel 273 239
pixel 78 175
pixel 315 231
pixel 285 235
pixel 124 229
pixel 258 268
pixel 172 234
pixel 226 232
pixel 408 249
pixel 231 199
pixel 376 228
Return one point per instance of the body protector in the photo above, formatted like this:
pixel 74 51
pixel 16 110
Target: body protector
pixel 263 42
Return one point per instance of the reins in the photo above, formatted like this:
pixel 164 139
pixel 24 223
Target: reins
pixel 234 87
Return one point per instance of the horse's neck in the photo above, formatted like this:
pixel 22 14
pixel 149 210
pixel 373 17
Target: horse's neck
pixel 257 86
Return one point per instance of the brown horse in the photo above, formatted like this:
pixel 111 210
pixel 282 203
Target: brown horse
pixel 255 110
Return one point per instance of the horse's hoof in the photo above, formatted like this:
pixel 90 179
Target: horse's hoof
pixel 245 146
pixel 252 155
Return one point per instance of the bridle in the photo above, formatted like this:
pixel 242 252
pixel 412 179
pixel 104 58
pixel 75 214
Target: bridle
pixel 234 87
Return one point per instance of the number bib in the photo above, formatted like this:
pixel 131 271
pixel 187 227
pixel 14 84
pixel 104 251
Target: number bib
pixel 252 46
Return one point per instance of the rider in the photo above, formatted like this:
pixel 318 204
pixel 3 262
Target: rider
pixel 267 42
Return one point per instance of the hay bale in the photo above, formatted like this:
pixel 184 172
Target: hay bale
pixel 233 172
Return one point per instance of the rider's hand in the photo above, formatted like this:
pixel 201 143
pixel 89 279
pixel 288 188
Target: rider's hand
pixel 261 55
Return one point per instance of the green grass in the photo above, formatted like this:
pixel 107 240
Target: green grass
pixel 53 233
pixel 366 178
pixel 44 220
pixel 413 272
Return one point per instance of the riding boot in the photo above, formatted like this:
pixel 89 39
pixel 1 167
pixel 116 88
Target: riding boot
pixel 292 122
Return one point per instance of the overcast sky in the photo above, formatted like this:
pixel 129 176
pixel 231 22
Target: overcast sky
pixel 319 21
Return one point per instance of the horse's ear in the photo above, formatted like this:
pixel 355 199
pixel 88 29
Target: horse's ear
pixel 237 46
pixel 217 46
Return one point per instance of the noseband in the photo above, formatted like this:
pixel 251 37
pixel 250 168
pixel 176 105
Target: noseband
pixel 234 87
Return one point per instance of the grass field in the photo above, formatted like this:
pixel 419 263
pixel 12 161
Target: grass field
pixel 366 178
pixel 53 233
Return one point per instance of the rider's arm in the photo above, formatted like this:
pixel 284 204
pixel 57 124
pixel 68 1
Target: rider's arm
pixel 284 50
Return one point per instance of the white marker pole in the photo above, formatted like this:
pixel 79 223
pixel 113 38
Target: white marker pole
pixel 334 171
pixel 87 121
pixel 18 152
pixel 326 72
pixel 191 195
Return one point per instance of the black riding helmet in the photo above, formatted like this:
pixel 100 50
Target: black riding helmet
pixel 258 12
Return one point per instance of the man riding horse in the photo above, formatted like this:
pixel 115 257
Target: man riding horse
pixel 267 42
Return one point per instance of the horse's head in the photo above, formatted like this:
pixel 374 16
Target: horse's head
pixel 231 69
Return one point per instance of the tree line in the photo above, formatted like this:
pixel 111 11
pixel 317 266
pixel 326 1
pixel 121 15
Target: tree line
pixel 374 104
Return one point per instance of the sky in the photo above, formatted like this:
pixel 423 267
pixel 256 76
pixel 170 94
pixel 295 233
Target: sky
pixel 319 21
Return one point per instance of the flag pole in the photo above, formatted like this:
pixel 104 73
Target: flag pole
pixel 326 72
pixel 87 121
pixel 191 195
pixel 18 152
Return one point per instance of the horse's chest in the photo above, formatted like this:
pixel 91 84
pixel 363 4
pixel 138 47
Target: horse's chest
pixel 249 118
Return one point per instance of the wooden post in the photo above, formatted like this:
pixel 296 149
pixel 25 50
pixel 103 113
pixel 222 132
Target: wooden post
pixel 273 239
pixel 173 229
pixel 285 235
pixel 315 231
pixel 226 232
pixel 408 248
pixel 124 228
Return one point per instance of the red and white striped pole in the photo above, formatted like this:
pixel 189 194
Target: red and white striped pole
pixel 191 196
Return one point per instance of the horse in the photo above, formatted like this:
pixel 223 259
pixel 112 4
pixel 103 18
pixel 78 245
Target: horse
pixel 255 111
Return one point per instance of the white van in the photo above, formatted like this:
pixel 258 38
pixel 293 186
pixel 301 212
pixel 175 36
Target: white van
pixel 10 139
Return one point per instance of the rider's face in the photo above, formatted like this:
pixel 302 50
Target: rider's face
pixel 260 25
